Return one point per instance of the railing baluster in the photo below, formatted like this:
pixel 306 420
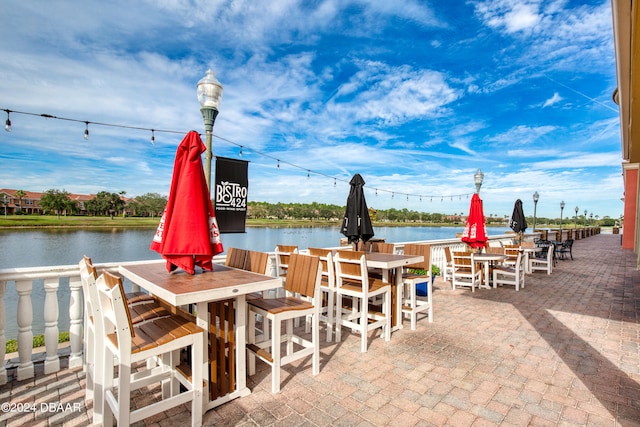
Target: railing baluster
pixel 52 361
pixel 25 330
pixel 75 323
pixel 3 339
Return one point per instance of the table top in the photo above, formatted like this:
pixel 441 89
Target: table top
pixel 180 288
pixel 387 261
pixel 489 257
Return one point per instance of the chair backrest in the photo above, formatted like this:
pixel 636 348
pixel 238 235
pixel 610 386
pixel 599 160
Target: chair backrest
pixel 511 251
pixel 447 254
pixel 364 246
pixel 462 259
pixel 419 249
pixel 304 275
pixel 283 252
pixel 112 286
pixel 326 263
pixel 385 248
pixel 528 244
pixel 351 267
pixel 236 258
pixel 256 262
pixel 495 250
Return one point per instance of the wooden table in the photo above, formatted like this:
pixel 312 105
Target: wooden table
pixel 393 263
pixel 226 286
pixel 486 260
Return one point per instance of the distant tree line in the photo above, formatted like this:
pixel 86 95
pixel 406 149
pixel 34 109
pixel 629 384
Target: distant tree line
pixel 103 204
pixel 152 205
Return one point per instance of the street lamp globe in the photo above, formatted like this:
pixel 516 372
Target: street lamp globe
pixel 478 177
pixel 209 92
pixel 536 197
pixel 561 209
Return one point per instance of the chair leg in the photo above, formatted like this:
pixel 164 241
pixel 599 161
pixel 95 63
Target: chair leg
pixel 387 310
pixel 330 315
pixel 338 318
pixel 364 329
pixel 275 353
pixel 315 337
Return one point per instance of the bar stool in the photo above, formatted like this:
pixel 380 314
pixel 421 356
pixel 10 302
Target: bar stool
pixel 130 344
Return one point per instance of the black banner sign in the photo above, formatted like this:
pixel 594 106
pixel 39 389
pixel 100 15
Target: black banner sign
pixel 230 197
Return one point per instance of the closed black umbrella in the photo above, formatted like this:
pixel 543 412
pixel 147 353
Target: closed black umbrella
pixel 356 224
pixel 518 222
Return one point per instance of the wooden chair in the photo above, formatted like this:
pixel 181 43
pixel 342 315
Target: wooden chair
pixel 511 251
pixel 385 248
pixel 130 344
pixel 303 278
pixel 352 280
pixel 328 288
pixel 411 305
pixel 543 264
pixel 143 309
pixel 283 252
pixel 465 271
pixel 447 271
pixel 236 258
pixel 514 276
pixel 257 262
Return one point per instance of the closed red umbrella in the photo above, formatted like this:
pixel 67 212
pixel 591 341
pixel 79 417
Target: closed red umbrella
pixel 188 234
pixel 475 232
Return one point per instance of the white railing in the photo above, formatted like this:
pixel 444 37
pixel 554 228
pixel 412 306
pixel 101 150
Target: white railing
pixel 22 281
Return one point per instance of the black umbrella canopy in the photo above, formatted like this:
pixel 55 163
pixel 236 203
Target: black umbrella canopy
pixel 356 224
pixel 518 222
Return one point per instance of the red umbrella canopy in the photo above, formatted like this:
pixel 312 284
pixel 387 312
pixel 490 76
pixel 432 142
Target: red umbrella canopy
pixel 188 233
pixel 475 232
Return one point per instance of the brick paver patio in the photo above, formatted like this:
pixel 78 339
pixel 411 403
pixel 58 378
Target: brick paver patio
pixel 562 351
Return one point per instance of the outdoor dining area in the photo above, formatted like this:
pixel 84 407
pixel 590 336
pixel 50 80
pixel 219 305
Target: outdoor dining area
pixel 211 335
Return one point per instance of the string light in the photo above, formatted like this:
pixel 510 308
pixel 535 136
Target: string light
pixel 86 137
pixel 7 124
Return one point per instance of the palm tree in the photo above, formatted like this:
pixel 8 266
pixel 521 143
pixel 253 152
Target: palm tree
pixel 20 194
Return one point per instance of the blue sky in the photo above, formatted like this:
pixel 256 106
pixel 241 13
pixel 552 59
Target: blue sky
pixel 414 95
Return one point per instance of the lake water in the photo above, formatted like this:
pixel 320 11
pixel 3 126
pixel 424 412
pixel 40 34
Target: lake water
pixel 39 248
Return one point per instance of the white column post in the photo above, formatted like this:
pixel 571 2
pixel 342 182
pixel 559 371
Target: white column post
pixel 52 361
pixel 25 330
pixel 75 322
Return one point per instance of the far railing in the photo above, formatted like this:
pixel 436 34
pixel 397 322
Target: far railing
pixel 48 280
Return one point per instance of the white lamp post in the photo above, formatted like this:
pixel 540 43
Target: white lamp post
pixel 561 209
pixel 478 177
pixel 536 196
pixel 209 95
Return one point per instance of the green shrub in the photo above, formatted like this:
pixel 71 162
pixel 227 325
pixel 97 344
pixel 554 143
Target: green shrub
pixel 38 341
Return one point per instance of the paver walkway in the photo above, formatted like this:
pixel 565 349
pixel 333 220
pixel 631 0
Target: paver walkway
pixel 563 351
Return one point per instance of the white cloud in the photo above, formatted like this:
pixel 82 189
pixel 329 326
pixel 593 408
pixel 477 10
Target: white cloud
pixel 553 100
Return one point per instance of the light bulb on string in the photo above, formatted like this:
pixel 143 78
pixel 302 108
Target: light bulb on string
pixel 240 154
pixel 335 182
pixel 86 131
pixel 7 124
pixel 153 137
pixel 308 174
pixel 278 164
pixel 407 197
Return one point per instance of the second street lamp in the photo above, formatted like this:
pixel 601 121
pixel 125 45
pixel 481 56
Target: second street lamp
pixel 576 224
pixel 561 209
pixel 209 94
pixel 536 196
